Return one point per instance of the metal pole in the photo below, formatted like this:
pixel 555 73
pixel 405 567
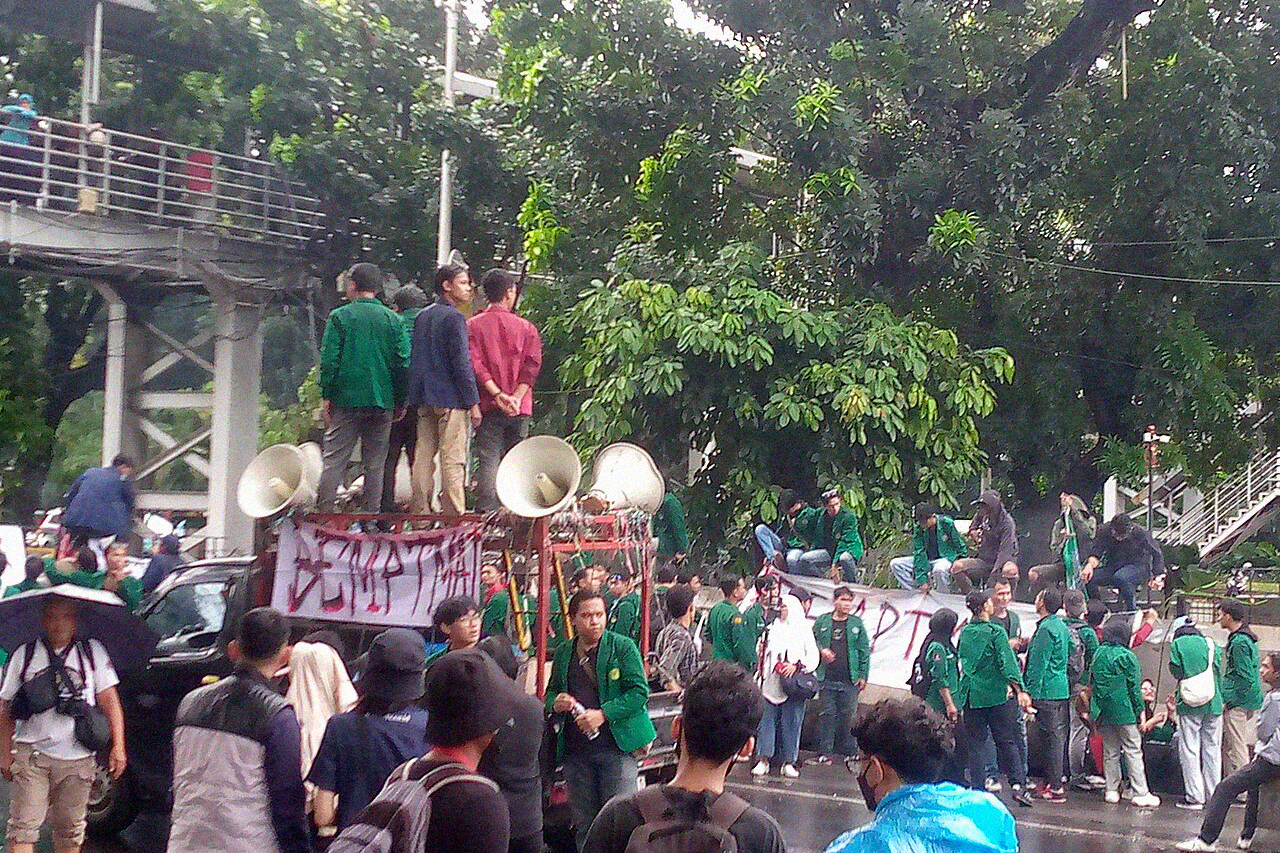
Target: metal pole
pixel 444 239
pixel 97 52
pixel 1124 64
pixel 542 624
pixel 1150 495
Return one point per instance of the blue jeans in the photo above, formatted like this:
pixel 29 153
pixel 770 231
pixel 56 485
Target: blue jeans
pixel 594 778
pixel 779 734
pixel 835 718
pixel 1126 579
pixel 815 564
pixel 770 542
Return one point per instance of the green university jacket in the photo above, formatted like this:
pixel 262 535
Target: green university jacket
pixel 844 529
pixel 1241 683
pixel 66 571
pixel 987 665
pixel 1047 653
pixel 670 528
pixel 624 616
pixel 950 546
pixel 1187 657
pixel 624 690
pixel 1116 679
pixel 858 643
pixel 364 356
pixel 724 624
pixel 944 671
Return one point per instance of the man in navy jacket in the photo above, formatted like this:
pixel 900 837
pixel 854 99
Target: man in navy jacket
pixel 100 502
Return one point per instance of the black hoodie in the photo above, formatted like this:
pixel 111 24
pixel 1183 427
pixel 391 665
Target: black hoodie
pixel 999 532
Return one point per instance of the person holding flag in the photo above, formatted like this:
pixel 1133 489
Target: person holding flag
pixel 1076 520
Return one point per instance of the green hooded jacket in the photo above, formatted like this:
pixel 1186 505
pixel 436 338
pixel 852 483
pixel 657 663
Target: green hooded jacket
pixel 1188 656
pixel 844 529
pixel 951 546
pixel 1047 653
pixel 1116 681
pixel 1241 683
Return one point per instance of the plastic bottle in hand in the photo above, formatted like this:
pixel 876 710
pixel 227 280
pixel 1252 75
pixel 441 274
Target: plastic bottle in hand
pixel 577 709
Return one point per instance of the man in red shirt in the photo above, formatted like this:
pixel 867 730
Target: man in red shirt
pixel 506 354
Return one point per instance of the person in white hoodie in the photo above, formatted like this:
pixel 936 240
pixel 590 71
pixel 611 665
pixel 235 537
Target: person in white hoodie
pixel 786 644
pixel 1265 767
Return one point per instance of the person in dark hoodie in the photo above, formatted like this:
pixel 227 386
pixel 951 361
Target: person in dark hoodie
pixel 512 758
pixel 164 560
pixel 997 536
pixel 1123 556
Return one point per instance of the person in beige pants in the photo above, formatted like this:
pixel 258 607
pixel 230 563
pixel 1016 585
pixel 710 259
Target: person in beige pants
pixel 1241 687
pixel 442 384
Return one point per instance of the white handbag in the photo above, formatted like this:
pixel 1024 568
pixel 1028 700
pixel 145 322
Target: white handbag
pixel 1199 689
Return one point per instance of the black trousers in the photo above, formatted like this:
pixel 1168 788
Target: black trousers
pixel 1052 723
pixel 1246 779
pixel 496 434
pixel 1002 722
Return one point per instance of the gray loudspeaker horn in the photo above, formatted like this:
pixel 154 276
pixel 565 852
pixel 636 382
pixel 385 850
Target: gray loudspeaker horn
pixel 280 477
pixel 539 476
pixel 626 476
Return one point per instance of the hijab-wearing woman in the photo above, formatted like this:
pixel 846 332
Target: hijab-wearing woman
pixel 787 644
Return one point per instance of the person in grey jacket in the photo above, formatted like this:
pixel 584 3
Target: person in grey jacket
pixel 1264 768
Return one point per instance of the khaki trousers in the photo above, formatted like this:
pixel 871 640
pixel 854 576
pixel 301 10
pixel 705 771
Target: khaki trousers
pixel 442 431
pixel 1239 732
pixel 51 788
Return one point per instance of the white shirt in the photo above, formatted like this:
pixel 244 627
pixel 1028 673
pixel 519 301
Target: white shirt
pixel 50 732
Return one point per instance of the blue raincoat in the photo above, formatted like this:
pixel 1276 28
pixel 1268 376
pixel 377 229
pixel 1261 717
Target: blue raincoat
pixel 933 819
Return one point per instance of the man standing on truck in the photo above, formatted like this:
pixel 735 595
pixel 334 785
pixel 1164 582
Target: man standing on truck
pixel 598 680
pixel 234 741
pixel 624 614
pixel 363 358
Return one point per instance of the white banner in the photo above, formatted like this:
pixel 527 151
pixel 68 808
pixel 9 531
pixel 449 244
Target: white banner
pixel 375 579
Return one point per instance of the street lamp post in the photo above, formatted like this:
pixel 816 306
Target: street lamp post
pixel 1151 441
pixel 444 238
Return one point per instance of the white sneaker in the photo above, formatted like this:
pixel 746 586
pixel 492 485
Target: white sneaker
pixel 1244 843
pixel 790 771
pixel 1147 801
pixel 1111 796
pixel 761 768
pixel 994 786
pixel 1195 845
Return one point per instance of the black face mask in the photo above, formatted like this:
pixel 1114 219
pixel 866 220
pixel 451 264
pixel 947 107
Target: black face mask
pixel 868 792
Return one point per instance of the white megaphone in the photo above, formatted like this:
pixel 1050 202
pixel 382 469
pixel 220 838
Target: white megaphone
pixel 539 476
pixel 282 476
pixel 626 476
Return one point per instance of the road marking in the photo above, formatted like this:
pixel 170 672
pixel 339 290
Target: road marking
pixel 1031 824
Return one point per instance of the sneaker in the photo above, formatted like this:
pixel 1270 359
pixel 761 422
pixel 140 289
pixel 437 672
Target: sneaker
pixel 1245 842
pixel 1111 796
pixel 790 771
pixel 1054 795
pixel 1082 783
pixel 1097 781
pixel 761 768
pixel 1147 801
pixel 1195 845
pixel 1023 798
pixel 993 785
pixel 821 759
pixel 1190 806
pixel 1042 789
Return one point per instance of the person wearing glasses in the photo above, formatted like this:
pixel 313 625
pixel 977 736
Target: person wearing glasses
pixel 458 618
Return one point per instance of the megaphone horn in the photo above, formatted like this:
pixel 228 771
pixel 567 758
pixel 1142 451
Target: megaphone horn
pixel 625 476
pixel 282 476
pixel 539 476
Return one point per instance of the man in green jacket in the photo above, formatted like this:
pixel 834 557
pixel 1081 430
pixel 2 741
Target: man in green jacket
pixel 831 536
pixel 1046 680
pixel 990 695
pixel 598 681
pixel 1074 606
pixel 1114 694
pixel 844 654
pixel 363 358
pixel 1200 727
pixel 670 529
pixel 936 545
pixel 32 571
pixel 1241 687
pixel 83 572
pixel 624 613
pixel 724 624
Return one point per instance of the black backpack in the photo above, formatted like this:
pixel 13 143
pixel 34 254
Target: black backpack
pixel 660 834
pixel 1075 658
pixel 920 681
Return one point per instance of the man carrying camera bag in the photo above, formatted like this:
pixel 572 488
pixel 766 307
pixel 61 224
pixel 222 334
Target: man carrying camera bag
pixel 46 715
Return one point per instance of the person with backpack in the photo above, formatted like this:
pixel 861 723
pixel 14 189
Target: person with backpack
pixel 1241 686
pixel 1114 697
pixel 1054 661
pixel 237 754
pixel 845 652
pixel 903 750
pixel 990 695
pixel 439 802
pixel 716 727
pixel 1265 767
pixel 935 676
pixel 361 747
pixel 50 769
pixel 1196 661
pixel 1083 635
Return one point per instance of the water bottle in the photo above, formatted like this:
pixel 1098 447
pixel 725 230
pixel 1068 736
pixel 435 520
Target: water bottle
pixel 577 709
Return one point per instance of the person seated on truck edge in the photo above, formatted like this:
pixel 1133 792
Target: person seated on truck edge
pixel 716 727
pixel 458 619
pixel 598 684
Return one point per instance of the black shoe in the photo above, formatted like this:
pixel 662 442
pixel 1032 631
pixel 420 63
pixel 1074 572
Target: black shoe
pixel 1023 798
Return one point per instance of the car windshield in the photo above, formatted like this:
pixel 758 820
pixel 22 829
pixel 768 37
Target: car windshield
pixel 189 609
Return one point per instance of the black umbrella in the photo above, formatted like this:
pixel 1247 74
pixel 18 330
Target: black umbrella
pixel 101 616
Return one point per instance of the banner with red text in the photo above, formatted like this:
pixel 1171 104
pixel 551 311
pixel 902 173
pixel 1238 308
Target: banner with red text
pixel 375 579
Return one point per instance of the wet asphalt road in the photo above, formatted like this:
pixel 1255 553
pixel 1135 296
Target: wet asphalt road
pixel 824 802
